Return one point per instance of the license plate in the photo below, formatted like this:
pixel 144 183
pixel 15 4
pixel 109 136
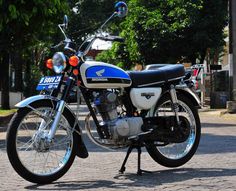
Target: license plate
pixel 48 83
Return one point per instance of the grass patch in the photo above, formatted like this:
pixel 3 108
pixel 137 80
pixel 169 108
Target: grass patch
pixel 7 112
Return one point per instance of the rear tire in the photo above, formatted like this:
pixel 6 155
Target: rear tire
pixel 160 153
pixel 21 143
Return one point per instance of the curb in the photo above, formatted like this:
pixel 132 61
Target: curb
pixel 222 113
pixel 3 129
pixel 4 120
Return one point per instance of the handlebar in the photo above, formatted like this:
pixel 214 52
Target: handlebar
pixel 112 38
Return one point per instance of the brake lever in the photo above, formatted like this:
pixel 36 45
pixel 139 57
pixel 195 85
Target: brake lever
pixel 58 45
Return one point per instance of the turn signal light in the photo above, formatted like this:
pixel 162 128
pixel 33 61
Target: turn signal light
pixel 76 72
pixel 74 61
pixel 49 63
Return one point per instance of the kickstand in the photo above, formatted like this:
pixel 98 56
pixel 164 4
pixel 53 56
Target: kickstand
pixel 139 171
pixel 122 169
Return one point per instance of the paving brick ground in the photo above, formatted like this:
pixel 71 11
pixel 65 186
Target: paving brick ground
pixel 212 168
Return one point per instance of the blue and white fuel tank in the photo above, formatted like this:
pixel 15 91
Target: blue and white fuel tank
pixel 102 75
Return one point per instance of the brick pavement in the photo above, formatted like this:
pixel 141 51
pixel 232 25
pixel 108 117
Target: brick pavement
pixel 212 168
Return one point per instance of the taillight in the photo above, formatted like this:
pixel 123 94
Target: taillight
pixel 196 85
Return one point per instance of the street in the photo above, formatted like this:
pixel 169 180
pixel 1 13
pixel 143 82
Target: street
pixel 213 167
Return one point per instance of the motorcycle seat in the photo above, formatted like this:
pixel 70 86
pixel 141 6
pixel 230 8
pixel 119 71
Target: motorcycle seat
pixel 152 78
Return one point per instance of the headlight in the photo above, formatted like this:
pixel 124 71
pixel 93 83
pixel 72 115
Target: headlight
pixel 59 62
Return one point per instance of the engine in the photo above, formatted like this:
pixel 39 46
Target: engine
pixel 119 127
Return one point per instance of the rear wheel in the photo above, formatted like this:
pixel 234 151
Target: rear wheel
pixel 31 154
pixel 177 154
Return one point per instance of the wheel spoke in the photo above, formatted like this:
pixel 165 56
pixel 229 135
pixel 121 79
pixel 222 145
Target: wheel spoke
pixel 178 150
pixel 32 149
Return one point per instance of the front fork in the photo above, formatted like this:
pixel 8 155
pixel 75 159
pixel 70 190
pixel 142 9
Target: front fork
pixel 60 108
pixel 175 103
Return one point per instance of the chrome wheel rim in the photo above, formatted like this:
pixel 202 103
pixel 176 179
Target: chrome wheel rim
pixel 177 151
pixel 36 153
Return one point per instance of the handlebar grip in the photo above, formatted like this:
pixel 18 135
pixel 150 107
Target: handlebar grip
pixel 119 39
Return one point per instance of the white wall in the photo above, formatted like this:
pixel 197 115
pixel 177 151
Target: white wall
pixel 15 97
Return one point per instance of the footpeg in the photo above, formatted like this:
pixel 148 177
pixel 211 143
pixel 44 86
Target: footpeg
pixel 141 136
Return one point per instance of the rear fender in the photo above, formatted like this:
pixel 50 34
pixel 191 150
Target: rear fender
pixel 82 150
pixel 190 94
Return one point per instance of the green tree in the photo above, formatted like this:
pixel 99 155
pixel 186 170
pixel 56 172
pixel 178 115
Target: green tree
pixel 88 18
pixel 172 31
pixel 23 23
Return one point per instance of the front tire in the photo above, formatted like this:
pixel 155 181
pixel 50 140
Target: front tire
pixel 31 156
pixel 177 154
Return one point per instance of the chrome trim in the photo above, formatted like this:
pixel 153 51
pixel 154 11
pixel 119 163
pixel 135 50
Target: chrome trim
pixel 173 79
pixel 154 83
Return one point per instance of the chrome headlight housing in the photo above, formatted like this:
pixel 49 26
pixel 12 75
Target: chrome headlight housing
pixel 59 62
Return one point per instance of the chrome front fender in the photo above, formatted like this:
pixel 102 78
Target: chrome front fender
pixel 26 102
pixel 32 99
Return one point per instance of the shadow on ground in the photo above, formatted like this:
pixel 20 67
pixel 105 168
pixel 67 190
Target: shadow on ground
pixel 147 180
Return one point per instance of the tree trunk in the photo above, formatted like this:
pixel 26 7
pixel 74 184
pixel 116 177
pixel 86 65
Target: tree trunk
pixel 27 79
pixel 1 73
pixel 193 59
pixel 18 61
pixel 5 80
pixel 202 56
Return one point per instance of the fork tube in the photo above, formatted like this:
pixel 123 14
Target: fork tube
pixel 60 108
pixel 174 100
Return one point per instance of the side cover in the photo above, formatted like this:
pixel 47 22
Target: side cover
pixel 103 75
pixel 145 98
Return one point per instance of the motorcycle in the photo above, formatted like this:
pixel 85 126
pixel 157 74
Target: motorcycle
pixel 130 109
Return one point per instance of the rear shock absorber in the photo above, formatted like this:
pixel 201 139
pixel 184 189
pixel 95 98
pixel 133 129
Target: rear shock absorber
pixel 175 103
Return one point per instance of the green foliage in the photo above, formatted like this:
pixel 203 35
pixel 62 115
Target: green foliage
pixel 117 55
pixel 4 112
pixel 90 15
pixel 25 27
pixel 172 31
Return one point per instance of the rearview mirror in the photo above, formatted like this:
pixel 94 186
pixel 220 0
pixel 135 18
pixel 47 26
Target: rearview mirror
pixel 65 21
pixel 121 9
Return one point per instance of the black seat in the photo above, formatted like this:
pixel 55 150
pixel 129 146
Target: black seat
pixel 157 77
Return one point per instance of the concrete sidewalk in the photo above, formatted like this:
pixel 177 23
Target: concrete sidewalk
pixel 222 113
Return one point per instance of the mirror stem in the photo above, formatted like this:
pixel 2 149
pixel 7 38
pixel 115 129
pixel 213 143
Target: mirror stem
pixel 114 14
pixel 60 26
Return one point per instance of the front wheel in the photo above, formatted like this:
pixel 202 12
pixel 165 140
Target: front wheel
pixel 31 154
pixel 177 154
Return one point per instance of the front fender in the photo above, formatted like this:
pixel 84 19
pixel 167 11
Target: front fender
pixel 29 100
pixel 82 150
